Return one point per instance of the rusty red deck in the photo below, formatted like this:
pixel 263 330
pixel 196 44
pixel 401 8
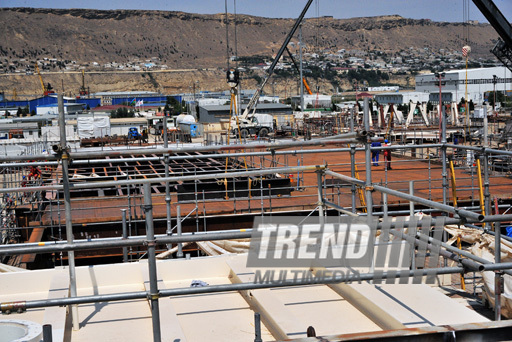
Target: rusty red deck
pixel 427 177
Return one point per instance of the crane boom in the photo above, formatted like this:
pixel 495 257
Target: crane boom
pixel 47 89
pixel 270 70
pixel 503 48
pixel 304 81
pixel 40 79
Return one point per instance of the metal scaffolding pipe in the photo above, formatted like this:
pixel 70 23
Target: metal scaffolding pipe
pixel 368 160
pixel 125 235
pixel 88 185
pixel 7 306
pixel 459 251
pixel 342 138
pixel 431 245
pixel 353 167
pixel 178 223
pixel 153 282
pixel 167 186
pixel 419 200
pixel 495 266
pixel 205 156
pixel 63 151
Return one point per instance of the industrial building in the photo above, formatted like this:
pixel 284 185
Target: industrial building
pixel 214 114
pixel 121 97
pixel 401 98
pixel 479 81
pixel 313 101
pixel 44 102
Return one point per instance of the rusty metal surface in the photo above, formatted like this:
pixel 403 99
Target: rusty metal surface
pixel 94 208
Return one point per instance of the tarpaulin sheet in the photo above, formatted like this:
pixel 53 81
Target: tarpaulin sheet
pixel 93 127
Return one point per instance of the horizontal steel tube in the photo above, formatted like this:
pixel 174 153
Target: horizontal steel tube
pixel 482 150
pixel 447 220
pixel 343 138
pixel 180 157
pixel 220 175
pixel 233 287
pixel 164 239
pixel 496 267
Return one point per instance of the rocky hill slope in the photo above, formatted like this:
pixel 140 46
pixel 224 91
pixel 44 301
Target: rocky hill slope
pixel 197 42
pixel 184 40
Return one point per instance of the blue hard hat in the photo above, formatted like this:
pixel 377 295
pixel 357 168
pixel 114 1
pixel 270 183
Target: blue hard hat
pixel 386 141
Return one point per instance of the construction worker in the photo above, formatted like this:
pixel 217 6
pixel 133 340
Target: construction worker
pixel 34 173
pixel 375 153
pixel 387 155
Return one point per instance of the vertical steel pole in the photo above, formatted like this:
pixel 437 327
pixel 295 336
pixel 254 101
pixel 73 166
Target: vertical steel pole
pixel 385 205
pixel 498 275
pixel 368 161
pixel 153 285
pixel 486 125
pixel 411 203
pixel 300 71
pixel 320 196
pixel 257 327
pixel 67 205
pixel 47 333
pixel 167 188
pixel 353 162
pixel 178 219
pixel 125 235
pixel 443 159
pixel 487 195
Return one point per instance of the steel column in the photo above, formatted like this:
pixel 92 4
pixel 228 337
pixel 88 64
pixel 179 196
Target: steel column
pixel 153 280
pixel 67 205
pixel 368 161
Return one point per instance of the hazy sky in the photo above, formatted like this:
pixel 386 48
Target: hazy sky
pixel 438 10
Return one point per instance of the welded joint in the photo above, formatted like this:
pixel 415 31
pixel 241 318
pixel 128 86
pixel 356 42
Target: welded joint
pixel 11 307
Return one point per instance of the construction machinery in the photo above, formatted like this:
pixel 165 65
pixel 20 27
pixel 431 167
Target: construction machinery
pixel 304 81
pixel 83 91
pixel 47 89
pixel 503 48
pixel 248 123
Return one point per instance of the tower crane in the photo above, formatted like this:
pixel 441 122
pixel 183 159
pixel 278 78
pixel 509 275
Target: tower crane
pixel 47 89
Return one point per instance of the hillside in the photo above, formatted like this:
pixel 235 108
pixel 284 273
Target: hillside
pixel 185 40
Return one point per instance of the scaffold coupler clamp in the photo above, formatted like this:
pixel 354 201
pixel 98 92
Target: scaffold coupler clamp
pixel 146 207
pixel 150 243
pixel 154 296
pixel 499 284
